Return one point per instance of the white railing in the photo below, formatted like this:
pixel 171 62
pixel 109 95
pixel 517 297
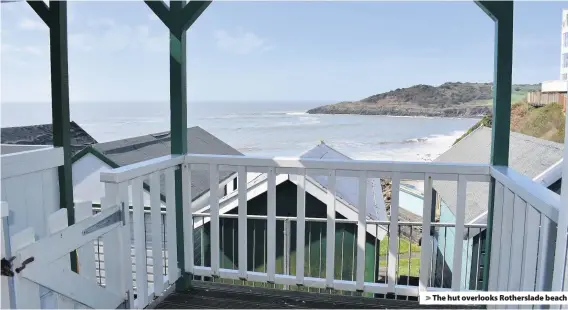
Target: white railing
pixel 524 233
pixel 302 169
pixel 30 187
pixel 150 252
pixel 536 209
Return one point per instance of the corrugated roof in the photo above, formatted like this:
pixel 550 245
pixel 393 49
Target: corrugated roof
pixel 199 141
pixel 43 135
pixel 348 187
pixel 528 155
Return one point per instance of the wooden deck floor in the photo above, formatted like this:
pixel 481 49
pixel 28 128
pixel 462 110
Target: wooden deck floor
pixel 225 296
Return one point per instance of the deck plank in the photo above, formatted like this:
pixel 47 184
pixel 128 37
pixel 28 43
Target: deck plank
pixel 204 295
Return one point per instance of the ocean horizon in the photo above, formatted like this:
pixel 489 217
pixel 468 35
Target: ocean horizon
pixel 262 128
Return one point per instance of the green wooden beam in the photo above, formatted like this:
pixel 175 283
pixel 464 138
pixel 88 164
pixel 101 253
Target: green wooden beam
pixel 192 11
pixel 502 13
pixel 55 17
pixel 41 9
pixel 160 9
pixel 502 84
pixel 178 124
pixel 178 18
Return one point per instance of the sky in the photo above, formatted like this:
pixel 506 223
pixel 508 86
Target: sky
pixel 274 51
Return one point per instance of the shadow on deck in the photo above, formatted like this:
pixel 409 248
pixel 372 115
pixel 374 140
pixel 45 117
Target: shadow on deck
pixel 226 296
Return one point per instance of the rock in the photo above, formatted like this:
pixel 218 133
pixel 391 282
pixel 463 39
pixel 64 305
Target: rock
pixel 452 99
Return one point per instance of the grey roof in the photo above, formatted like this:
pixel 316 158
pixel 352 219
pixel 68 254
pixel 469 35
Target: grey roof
pixel 132 150
pixel 43 135
pixel 528 155
pixel 348 187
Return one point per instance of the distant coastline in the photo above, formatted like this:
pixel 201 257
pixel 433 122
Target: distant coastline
pixel 452 99
pixel 466 112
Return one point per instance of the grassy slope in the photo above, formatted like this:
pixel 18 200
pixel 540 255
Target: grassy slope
pixel 546 122
pixel 519 93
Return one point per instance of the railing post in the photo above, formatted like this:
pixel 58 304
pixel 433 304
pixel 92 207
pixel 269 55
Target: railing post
pixel 55 18
pixel 286 248
pixel 178 18
pixel 178 124
pixel 560 273
pixel 502 13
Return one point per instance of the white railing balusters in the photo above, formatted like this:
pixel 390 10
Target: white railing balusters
pixel 111 243
pixel 171 243
pixel 126 243
pixel 271 226
pixel 187 218
pixel 300 226
pixel 560 278
pixel 512 217
pixel 156 224
pixel 506 235
pixel 330 235
pixel 517 240
pixel 242 209
pixel 545 261
pixel 460 221
pixel 494 262
pixel 214 204
pixel 426 248
pixel 361 231
pixel 530 247
pixel 393 232
pixel 139 243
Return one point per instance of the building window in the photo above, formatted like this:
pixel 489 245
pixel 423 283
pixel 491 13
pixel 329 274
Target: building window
pixel 565 77
pixel 565 39
pixel 565 60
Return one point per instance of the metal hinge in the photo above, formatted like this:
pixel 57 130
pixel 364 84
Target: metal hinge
pixel 7 266
pixel 116 217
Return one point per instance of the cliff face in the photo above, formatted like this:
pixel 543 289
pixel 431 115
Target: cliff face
pixel 546 122
pixel 453 99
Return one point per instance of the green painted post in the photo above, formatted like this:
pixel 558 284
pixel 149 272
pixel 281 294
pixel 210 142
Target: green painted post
pixel 60 113
pixel 178 18
pixel 502 13
pixel 178 123
pixel 55 17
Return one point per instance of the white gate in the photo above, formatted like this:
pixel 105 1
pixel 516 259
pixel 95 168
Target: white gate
pixel 46 263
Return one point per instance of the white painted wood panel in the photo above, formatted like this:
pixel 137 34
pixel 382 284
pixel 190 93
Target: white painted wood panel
pixel 157 239
pixel 496 235
pixel 330 230
pixel 27 162
pixel 426 246
pixel 531 245
pixel 31 199
pixel 459 231
pixel 506 235
pixel 300 227
pixel 271 225
pixel 393 232
pixel 517 242
pixel 242 211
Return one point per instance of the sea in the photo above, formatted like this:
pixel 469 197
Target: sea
pixel 262 128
